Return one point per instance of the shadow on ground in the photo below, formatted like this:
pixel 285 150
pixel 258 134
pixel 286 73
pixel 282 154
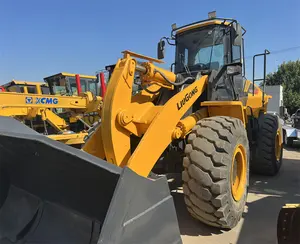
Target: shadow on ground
pixel 266 197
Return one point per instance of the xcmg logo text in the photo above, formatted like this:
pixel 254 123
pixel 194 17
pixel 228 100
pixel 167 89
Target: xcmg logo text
pixel 41 100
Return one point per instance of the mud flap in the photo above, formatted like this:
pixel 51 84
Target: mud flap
pixel 52 193
pixel 288 224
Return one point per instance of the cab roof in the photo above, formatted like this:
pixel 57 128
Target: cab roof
pixel 70 75
pixel 28 83
pixel 202 23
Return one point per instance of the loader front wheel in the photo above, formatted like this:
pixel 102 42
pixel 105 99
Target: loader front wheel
pixel 216 169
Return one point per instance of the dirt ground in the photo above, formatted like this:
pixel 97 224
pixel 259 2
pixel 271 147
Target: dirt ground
pixel 266 197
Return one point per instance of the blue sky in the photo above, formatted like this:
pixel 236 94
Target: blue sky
pixel 39 38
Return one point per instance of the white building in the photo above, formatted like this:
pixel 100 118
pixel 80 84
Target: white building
pixel 277 98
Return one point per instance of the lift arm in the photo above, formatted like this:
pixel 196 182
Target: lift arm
pixel 53 119
pixel 123 115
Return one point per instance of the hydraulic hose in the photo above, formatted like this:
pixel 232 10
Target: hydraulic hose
pixel 173 83
pixel 151 92
pixel 143 70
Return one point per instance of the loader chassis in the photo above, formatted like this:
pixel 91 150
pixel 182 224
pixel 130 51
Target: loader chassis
pixel 203 110
pixel 138 115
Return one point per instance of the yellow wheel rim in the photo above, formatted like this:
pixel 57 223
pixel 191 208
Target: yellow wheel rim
pixel 238 174
pixel 277 146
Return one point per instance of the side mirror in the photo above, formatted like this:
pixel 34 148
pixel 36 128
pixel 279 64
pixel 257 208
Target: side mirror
pixel 172 67
pixel 237 34
pixel 161 49
pixel 232 70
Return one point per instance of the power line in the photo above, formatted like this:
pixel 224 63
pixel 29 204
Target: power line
pixel 284 50
pixel 279 51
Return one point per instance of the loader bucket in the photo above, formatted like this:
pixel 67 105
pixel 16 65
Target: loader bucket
pixel 51 193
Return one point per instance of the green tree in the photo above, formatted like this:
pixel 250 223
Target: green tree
pixel 288 75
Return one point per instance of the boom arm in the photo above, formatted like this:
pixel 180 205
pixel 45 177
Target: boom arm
pixel 124 115
pixel 85 102
pixel 29 106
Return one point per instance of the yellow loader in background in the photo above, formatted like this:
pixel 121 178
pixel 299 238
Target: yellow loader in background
pixel 69 124
pixel 26 87
pixel 38 112
pixel 68 84
pixel 109 192
pixel 65 84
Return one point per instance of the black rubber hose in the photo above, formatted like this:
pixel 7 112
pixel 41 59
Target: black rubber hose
pixel 173 83
pixel 151 92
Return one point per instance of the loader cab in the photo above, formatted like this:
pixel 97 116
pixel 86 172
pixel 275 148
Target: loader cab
pixel 211 47
pixel 64 84
pixel 26 87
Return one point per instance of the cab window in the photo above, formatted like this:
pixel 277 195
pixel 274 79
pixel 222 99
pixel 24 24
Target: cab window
pixel 31 89
pixel 45 90
pixel 59 86
pixel 72 81
pixel 212 55
pixel 236 54
pixel 15 88
pixel 92 86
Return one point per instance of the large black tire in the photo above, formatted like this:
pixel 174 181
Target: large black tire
pixel 266 161
pixel 207 171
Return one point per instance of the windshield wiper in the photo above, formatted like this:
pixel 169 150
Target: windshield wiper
pixel 213 44
pixel 186 68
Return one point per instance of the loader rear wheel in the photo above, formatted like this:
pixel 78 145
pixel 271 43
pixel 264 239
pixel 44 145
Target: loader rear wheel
pixel 269 149
pixel 215 172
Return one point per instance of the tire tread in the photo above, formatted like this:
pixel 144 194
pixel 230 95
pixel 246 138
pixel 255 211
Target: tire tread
pixel 206 166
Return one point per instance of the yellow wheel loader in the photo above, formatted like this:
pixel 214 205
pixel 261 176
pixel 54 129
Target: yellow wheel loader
pixel 108 192
pixel 203 109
